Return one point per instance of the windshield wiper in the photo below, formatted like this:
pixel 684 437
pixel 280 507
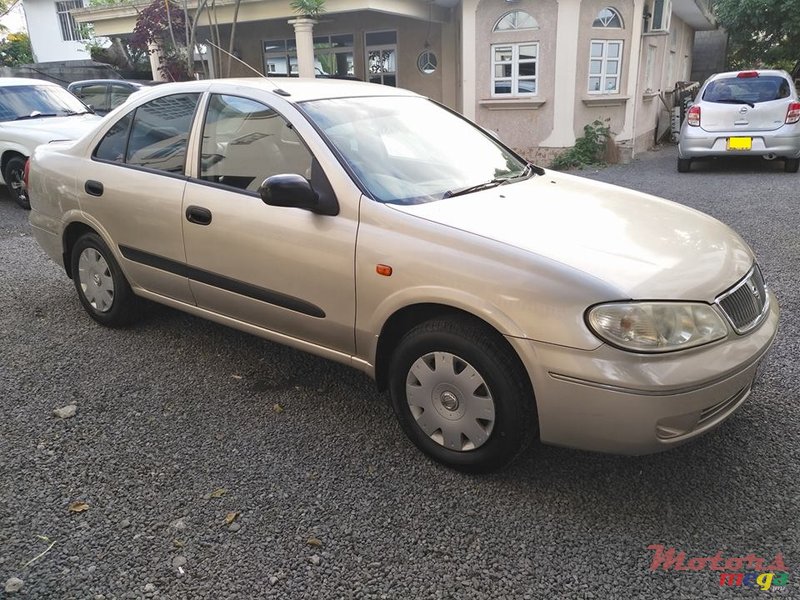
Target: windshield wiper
pixel 732 101
pixel 72 113
pixel 475 188
pixel 524 174
pixel 35 115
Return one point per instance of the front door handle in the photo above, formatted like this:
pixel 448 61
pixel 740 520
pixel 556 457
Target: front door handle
pixel 93 188
pixel 198 215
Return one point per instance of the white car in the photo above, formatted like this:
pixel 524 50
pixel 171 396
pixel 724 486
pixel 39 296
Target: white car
pixel 33 112
pixel 743 113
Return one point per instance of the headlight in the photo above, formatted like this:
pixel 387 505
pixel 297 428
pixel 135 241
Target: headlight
pixel 656 326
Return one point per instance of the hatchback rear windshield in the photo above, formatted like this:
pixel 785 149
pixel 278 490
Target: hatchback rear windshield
pixel 747 90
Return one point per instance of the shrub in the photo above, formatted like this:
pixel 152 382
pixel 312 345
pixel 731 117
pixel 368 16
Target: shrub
pixel 588 150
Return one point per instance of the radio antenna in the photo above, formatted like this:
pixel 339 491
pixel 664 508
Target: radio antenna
pixel 278 90
pixel 236 58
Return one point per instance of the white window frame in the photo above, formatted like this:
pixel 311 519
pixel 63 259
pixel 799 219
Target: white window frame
pixel 605 61
pixel 496 27
pixel 70 31
pixel 379 48
pixel 666 16
pixel 515 77
pixel 608 25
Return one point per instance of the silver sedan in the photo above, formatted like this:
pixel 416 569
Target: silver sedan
pixel 495 300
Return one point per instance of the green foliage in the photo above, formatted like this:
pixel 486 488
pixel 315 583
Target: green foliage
pixel 308 8
pixel 762 33
pixel 16 50
pixel 588 150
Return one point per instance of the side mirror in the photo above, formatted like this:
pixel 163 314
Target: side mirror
pixel 293 191
pixel 288 190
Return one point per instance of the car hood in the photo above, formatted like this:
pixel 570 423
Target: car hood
pixel 646 247
pixel 53 128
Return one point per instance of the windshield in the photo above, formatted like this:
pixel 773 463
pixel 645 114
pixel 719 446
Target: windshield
pixel 409 150
pixel 747 90
pixel 31 101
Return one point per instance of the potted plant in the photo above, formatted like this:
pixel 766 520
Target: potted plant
pixel 309 9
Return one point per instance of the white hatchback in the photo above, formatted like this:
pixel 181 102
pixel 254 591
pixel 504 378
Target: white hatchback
pixel 743 113
pixel 33 112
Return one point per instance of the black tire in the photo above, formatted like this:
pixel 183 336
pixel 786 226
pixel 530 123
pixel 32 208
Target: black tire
pixel 507 384
pixel 791 165
pixel 684 165
pixel 13 175
pixel 118 308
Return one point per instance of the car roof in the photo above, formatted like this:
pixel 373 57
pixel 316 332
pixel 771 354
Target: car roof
pixel 293 89
pixel 100 81
pixel 761 72
pixel 14 81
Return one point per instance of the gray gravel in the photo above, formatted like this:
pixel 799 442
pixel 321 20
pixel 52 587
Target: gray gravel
pixel 176 428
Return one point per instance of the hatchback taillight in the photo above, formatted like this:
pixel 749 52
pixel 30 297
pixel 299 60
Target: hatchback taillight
pixel 26 171
pixel 793 114
pixel 693 116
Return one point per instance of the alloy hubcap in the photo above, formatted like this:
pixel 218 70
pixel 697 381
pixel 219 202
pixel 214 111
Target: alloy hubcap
pixel 450 401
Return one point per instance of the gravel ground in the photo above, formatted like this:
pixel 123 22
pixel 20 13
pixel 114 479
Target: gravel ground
pixel 177 428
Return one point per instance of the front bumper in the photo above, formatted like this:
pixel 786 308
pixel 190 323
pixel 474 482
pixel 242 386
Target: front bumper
pixel 609 400
pixel 697 143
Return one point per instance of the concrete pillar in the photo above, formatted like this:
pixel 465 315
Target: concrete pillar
pixel 304 35
pixel 563 133
pixel 469 8
pixel 155 61
pixel 628 133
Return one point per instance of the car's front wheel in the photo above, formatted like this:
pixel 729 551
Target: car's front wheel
pixel 102 288
pixel 684 165
pixel 462 395
pixel 791 165
pixel 14 176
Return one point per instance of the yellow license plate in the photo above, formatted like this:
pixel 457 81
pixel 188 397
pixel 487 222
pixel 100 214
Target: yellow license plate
pixel 740 143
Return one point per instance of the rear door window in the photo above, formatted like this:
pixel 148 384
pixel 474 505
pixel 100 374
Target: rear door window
pixel 153 136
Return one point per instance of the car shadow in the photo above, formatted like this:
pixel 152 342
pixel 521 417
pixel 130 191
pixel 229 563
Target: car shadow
pixel 737 165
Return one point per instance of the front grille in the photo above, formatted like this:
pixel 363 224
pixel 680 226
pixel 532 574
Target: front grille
pixel 745 304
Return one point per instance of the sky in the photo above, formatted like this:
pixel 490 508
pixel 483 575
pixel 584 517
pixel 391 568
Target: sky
pixel 15 19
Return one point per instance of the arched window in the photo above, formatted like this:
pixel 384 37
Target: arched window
pixel 608 18
pixel 516 19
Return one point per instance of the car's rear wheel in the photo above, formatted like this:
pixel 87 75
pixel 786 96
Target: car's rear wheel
pixel 14 176
pixel 684 165
pixel 462 395
pixel 791 165
pixel 102 288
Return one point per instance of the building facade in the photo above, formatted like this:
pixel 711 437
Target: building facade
pixel 534 71
pixel 54 33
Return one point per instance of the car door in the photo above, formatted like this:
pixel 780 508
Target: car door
pixel 94 95
pixel 284 269
pixel 134 188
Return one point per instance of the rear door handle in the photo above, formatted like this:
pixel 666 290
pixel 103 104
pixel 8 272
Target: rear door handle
pixel 198 215
pixel 93 188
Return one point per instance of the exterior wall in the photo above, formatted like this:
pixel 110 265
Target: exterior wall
pixel 672 64
pixel 45 33
pixel 411 37
pixel 609 108
pixel 710 54
pixel 522 123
